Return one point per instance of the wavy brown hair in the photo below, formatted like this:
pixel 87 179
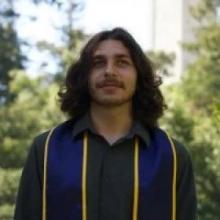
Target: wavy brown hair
pixel 148 102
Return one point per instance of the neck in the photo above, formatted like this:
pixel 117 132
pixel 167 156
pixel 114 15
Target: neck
pixel 111 122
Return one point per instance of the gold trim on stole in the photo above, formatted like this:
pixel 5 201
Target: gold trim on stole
pixel 174 178
pixel 136 180
pixel 44 197
pixel 84 179
pixel 84 175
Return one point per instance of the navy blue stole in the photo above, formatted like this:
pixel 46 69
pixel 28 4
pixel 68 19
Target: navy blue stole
pixel 65 167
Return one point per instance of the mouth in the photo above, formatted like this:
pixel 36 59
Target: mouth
pixel 112 84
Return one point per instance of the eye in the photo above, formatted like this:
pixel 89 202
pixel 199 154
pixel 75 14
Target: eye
pixel 123 62
pixel 98 63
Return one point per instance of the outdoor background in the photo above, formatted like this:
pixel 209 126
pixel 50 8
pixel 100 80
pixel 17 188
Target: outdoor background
pixel 35 53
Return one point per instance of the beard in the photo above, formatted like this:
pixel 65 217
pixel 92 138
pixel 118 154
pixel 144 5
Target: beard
pixel 111 92
pixel 111 99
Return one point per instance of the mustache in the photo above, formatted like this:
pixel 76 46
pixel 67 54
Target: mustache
pixel 112 82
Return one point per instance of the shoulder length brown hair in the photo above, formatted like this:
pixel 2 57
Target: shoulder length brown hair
pixel 148 102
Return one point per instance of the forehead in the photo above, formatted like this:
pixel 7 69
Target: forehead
pixel 111 48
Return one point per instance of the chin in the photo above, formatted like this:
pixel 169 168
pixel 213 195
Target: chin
pixel 112 102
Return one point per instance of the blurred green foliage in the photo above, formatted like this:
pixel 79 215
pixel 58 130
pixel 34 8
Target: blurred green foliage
pixel 194 113
pixel 29 104
pixel 10 48
pixel 34 108
pixel 8 184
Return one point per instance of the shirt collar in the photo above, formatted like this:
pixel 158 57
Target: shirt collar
pixel 82 124
pixel 139 130
pixel 85 123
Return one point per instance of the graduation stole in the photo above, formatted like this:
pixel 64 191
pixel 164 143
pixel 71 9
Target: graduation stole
pixel 65 177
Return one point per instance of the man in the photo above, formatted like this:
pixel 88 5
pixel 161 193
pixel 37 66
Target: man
pixel 110 161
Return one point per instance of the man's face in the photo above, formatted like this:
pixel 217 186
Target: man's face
pixel 113 76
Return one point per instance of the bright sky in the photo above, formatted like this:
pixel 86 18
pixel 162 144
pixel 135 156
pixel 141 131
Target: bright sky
pixel 133 15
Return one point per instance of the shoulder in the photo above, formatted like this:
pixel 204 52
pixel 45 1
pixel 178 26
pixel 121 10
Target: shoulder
pixel 184 163
pixel 181 150
pixel 183 155
pixel 36 151
pixel 40 140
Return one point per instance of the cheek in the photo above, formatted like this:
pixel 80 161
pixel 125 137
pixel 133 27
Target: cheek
pixel 133 84
pixel 132 80
pixel 91 80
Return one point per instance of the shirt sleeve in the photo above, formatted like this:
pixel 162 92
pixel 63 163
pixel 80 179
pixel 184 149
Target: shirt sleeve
pixel 29 198
pixel 186 193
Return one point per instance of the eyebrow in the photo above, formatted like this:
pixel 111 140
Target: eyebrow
pixel 101 56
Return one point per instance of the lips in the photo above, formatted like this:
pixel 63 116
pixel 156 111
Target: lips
pixel 110 84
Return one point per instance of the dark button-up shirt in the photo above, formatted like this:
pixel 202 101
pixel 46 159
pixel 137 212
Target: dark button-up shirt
pixel 110 176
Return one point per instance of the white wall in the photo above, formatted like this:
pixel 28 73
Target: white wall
pixel 172 24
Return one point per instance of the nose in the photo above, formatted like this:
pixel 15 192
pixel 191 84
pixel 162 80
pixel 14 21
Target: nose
pixel 110 69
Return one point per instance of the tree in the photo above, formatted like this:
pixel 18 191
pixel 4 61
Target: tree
pixel 33 110
pixel 10 51
pixel 30 104
pixel 72 39
pixel 162 62
pixel 193 114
